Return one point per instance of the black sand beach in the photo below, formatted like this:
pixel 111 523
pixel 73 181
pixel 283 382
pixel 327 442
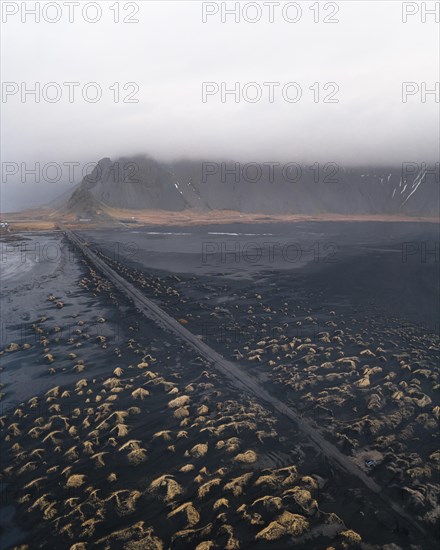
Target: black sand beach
pixel 116 435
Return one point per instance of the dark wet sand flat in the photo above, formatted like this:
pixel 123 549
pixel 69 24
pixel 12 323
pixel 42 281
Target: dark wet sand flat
pixel 116 435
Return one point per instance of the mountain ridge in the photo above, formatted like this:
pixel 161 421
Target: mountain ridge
pixel 143 183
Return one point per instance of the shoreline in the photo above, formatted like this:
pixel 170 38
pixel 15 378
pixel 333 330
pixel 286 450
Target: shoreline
pixel 188 218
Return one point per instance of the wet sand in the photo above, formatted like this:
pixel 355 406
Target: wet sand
pixel 156 455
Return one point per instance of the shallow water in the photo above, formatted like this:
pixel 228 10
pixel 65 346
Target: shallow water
pixel 241 249
pixel 395 264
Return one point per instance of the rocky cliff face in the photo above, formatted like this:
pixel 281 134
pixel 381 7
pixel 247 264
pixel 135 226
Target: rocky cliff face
pixel 144 183
pixel 137 183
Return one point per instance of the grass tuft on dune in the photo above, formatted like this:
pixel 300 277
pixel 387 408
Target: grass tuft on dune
pixel 286 524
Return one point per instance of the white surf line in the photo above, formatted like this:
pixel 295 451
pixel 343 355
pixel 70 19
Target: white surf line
pixel 241 234
pixel 162 233
pixel 238 376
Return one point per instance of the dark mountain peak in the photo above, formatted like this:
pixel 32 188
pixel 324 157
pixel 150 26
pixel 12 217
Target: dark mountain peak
pixel 144 183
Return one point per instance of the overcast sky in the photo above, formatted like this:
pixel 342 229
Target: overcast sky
pixel 170 52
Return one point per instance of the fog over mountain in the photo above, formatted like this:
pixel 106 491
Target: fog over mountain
pixel 144 183
pixel 361 61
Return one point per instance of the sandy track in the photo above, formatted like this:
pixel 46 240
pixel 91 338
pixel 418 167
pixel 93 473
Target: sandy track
pixel 239 378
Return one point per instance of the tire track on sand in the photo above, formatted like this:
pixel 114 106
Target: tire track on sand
pixel 240 378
